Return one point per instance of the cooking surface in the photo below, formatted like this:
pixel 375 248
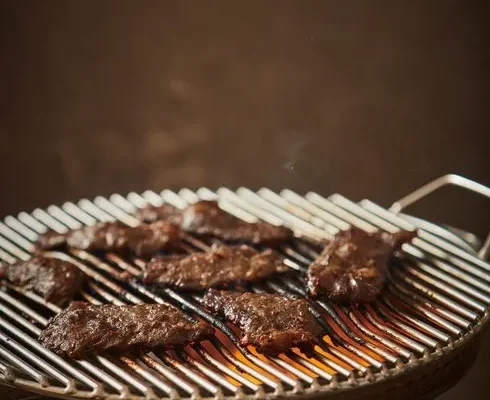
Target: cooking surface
pixel 370 101
pixel 427 312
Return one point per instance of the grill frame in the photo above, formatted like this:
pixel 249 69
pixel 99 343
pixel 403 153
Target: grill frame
pixel 259 204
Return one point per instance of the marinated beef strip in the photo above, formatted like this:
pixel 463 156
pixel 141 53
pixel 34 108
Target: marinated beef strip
pixel 147 239
pixel 270 322
pixel 101 236
pixel 352 268
pixel 219 267
pixel 165 212
pixel 55 280
pixel 84 329
pixel 143 240
pixel 207 218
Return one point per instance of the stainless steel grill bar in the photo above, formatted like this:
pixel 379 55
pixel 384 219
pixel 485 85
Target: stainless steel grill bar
pixel 157 364
pixel 13 250
pixel 212 375
pixel 431 294
pixel 6 257
pixel 404 354
pixel 436 184
pixel 195 377
pixel 396 293
pixel 40 363
pixel 400 318
pixel 16 361
pixel 447 244
pixel 18 239
pixel 405 294
pixel 19 227
pixel 395 334
pixel 325 347
pixel 25 309
pixel 305 228
pixel 145 373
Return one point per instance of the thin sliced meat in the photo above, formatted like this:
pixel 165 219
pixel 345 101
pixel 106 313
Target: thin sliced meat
pixel 207 218
pixel 220 267
pixel 270 322
pixel 57 281
pixel 84 329
pixel 352 268
pixel 143 240
pixel 147 239
pixel 101 236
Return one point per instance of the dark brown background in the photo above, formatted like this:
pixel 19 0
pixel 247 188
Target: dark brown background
pixel 367 98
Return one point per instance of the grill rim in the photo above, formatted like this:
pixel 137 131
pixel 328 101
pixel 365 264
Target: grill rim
pixel 458 343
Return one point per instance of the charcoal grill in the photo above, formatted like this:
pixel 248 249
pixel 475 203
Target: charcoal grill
pixel 417 338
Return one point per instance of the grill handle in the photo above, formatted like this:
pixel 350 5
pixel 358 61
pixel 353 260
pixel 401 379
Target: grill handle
pixel 450 179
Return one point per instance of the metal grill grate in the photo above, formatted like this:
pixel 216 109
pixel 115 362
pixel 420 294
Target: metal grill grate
pixel 436 296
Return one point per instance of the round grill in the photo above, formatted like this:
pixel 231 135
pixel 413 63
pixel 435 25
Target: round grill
pixel 434 303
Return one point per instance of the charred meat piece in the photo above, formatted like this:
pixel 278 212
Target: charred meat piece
pixel 146 239
pixel 84 329
pixel 143 240
pixel 101 236
pixel 165 212
pixel 270 322
pixel 352 268
pixel 219 267
pixel 207 218
pixel 55 280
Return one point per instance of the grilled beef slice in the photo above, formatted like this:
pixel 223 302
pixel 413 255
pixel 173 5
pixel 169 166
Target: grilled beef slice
pixel 84 329
pixel 55 280
pixel 208 219
pixel 143 240
pixel 352 268
pixel 270 322
pixel 219 267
